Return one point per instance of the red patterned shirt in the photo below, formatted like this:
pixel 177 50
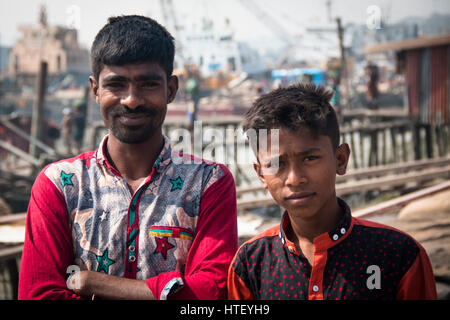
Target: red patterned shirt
pixel 178 231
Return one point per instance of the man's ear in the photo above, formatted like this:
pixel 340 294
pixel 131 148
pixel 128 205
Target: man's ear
pixel 94 88
pixel 258 171
pixel 342 157
pixel 172 88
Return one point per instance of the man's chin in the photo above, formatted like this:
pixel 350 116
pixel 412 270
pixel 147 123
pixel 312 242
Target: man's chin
pixel 132 137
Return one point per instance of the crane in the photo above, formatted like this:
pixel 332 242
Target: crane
pixel 254 8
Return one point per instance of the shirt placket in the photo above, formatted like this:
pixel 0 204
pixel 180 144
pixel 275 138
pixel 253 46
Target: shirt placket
pixel 132 236
pixel 132 245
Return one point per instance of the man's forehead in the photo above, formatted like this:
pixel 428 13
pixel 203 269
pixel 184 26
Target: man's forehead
pixel 133 70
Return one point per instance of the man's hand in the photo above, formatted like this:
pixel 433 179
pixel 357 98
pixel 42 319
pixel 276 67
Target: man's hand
pixel 88 283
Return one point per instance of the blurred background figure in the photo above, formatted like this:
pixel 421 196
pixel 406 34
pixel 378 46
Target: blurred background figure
pixel 372 77
pixel 79 124
pixel 66 129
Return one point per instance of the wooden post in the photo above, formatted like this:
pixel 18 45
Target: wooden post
pixel 393 132
pixel 404 148
pixel 361 147
pixel 429 141
pixel 417 142
pixel 373 155
pixel 344 72
pixel 13 271
pixel 445 130
pixel 38 109
pixel 384 147
pixel 353 150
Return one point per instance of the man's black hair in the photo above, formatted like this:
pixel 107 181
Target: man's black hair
pixel 132 39
pixel 294 108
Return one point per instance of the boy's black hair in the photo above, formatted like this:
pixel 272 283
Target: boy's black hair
pixel 295 107
pixel 132 39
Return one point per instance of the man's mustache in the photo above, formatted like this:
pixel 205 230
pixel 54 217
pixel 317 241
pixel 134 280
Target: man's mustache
pixel 124 111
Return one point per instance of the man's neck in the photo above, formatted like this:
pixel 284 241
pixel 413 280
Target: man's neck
pixel 134 161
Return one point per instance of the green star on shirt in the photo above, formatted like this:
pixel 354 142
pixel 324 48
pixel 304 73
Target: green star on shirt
pixel 104 262
pixel 176 184
pixel 66 179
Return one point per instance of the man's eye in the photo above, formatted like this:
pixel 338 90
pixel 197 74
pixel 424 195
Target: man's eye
pixel 114 85
pixel 150 84
pixel 310 158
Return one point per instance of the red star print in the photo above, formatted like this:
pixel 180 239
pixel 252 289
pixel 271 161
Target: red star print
pixel 162 246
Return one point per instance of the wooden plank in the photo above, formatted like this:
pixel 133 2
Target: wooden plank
pixel 399 202
pixel 26 136
pixel 391 181
pixel 361 186
pixel 22 154
pixel 13 218
pixel 371 172
pixel 8 253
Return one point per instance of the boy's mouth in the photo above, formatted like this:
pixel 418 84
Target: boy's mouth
pixel 300 198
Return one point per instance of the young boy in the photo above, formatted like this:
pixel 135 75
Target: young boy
pixel 319 251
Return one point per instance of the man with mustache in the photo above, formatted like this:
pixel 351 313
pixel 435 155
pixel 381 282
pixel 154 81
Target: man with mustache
pixel 133 219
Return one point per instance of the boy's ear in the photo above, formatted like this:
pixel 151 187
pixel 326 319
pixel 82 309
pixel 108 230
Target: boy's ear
pixel 94 88
pixel 342 157
pixel 257 168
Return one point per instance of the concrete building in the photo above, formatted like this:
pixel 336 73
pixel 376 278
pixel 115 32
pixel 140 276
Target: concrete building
pixel 56 45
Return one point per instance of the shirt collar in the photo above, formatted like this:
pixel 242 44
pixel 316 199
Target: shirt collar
pixel 162 161
pixel 327 239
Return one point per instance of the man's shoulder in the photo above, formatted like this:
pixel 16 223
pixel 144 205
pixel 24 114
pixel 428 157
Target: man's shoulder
pixel 69 166
pixel 209 171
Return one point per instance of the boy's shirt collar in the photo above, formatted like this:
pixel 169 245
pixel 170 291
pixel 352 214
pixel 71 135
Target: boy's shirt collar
pixel 325 240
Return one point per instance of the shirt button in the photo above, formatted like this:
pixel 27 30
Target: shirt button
pixel 132 259
pixel 343 230
pixel 315 288
pixel 291 249
pixel 131 248
pixel 335 237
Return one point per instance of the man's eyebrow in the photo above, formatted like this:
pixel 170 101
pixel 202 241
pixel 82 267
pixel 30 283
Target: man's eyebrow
pixel 145 77
pixel 114 77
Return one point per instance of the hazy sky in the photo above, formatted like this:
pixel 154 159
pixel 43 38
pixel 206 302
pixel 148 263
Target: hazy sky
pixel 91 15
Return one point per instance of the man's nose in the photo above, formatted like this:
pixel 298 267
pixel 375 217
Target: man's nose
pixel 295 176
pixel 132 98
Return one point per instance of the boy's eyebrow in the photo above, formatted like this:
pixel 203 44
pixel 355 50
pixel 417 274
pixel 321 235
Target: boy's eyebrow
pixel 301 153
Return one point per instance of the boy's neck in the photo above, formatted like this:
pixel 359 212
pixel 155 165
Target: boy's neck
pixel 306 230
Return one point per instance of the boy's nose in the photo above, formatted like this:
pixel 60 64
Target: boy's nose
pixel 295 177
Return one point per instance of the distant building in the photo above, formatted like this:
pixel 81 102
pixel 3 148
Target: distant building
pixel 425 62
pixel 56 45
pixel 4 54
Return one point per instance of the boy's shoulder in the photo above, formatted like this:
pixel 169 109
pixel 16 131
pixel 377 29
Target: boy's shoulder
pixel 260 242
pixel 376 234
pixel 368 226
